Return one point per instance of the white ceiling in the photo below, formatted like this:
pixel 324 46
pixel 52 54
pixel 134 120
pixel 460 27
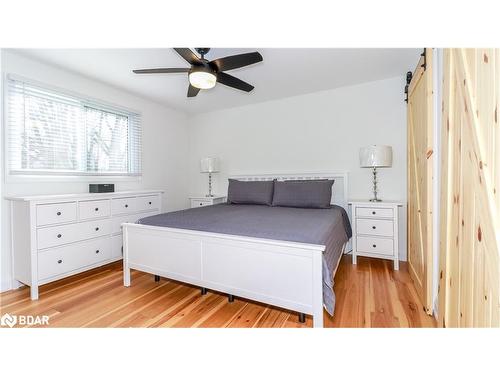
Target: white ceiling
pixel 284 72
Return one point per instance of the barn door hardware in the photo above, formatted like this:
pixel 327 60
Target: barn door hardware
pixel 423 54
pixel 409 76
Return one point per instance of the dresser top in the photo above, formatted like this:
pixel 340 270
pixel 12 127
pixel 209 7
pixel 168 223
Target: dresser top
pixel 81 195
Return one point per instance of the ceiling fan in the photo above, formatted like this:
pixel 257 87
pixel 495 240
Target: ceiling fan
pixel 204 74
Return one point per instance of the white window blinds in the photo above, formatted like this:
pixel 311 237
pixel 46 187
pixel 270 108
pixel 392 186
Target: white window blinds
pixel 50 132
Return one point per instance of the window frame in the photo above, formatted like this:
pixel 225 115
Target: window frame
pixel 64 176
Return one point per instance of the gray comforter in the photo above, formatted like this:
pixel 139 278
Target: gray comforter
pixel 329 227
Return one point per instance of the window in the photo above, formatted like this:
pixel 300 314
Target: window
pixel 53 133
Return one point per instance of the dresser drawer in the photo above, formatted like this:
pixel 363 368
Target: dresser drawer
pixel 94 209
pixel 375 227
pixel 150 202
pixel 123 206
pixel 386 213
pixel 375 245
pixel 72 257
pixel 63 234
pixel 56 213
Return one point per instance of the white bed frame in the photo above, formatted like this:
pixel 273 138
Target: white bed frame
pixel 280 273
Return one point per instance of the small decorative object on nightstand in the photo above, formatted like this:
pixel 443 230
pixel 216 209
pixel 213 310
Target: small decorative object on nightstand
pixel 209 165
pixel 375 157
pixel 375 230
pixel 202 200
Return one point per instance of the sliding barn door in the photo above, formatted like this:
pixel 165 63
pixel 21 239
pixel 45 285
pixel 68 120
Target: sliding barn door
pixel 420 131
pixel 470 189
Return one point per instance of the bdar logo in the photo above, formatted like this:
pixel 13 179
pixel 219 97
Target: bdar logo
pixel 8 320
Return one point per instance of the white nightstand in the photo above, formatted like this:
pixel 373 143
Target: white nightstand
pixel 375 230
pixel 201 200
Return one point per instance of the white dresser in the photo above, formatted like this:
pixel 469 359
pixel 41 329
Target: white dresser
pixel 375 230
pixel 55 236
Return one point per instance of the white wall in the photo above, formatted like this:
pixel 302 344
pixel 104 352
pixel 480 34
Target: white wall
pixel 165 145
pixel 316 132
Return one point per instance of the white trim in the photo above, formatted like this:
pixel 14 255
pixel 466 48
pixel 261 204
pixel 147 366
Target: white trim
pixel 24 178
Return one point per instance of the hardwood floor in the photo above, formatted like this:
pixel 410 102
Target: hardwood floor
pixel 369 294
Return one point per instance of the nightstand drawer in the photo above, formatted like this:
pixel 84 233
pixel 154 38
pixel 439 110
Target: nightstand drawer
pixel 200 203
pixel 375 227
pixel 386 213
pixel 375 245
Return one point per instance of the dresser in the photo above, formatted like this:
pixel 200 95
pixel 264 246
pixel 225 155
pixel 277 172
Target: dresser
pixel 200 201
pixel 375 230
pixel 55 236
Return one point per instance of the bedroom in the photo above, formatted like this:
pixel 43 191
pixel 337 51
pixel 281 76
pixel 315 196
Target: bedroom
pixel 248 187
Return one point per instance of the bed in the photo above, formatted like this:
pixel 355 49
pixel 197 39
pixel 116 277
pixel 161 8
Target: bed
pixel 282 256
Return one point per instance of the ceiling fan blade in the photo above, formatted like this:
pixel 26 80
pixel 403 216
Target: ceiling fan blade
pixel 161 70
pixel 236 61
pixel 192 91
pixel 188 55
pixel 234 82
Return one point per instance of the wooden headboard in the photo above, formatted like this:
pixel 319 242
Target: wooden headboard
pixel 339 190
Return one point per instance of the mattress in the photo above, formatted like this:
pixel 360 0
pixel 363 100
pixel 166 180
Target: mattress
pixel 326 226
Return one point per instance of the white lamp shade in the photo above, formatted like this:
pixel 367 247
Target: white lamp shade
pixel 209 165
pixel 375 156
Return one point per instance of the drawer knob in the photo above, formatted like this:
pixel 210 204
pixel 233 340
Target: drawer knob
pixel 373 212
pixel 97 208
pixel 96 228
pixel 59 235
pixel 58 213
pixel 374 245
pixel 97 251
pixel 126 206
pixel 59 261
pixel 201 204
pixel 374 227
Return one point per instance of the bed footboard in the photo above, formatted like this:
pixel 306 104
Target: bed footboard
pixel 280 273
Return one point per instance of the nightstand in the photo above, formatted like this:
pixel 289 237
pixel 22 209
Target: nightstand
pixel 201 200
pixel 375 230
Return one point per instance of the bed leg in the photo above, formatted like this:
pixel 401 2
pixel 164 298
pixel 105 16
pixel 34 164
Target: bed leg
pixel 204 291
pixel 157 279
pixel 302 317
pixel 230 298
pixel 126 276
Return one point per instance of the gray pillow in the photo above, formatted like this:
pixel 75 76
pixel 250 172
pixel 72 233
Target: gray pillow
pixel 250 192
pixel 303 193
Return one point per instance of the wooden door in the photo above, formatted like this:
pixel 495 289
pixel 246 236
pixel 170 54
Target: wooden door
pixel 470 196
pixel 420 174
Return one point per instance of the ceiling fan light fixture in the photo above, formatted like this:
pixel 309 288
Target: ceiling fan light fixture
pixel 202 79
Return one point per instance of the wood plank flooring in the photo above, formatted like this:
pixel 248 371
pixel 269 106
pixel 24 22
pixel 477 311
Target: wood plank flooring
pixel 369 294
